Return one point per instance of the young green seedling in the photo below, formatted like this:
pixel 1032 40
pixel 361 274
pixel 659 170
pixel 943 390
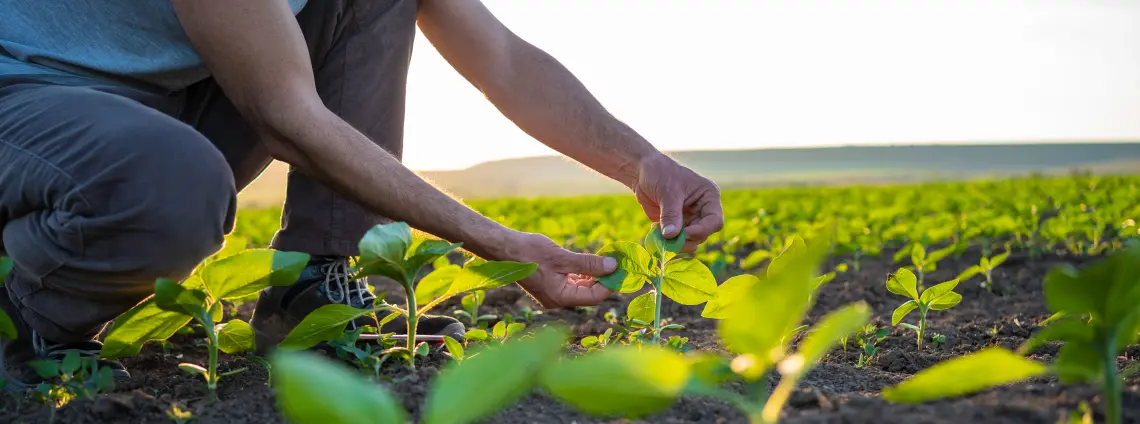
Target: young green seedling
pixel 641 380
pixel 389 250
pixel 985 267
pixel 923 264
pixel 199 298
pixel 71 378
pixel 938 297
pixel 231 277
pixel 500 332
pixel 868 341
pixel 470 312
pixel 684 280
pixel 1101 305
pixel 312 390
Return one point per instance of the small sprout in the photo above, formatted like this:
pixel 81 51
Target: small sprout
pixel 938 297
pixel 179 415
pixel 937 339
pixel 470 312
pixel 985 267
pixel 74 377
pixel 868 341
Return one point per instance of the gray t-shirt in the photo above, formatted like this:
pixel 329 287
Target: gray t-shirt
pixel 138 42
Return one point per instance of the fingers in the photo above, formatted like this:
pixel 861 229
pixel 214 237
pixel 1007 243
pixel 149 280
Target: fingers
pixel 577 295
pixel 710 220
pixel 672 214
pixel 587 264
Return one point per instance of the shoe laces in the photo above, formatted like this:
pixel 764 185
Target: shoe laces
pixel 47 349
pixel 341 288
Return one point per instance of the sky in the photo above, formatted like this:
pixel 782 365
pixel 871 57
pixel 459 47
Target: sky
pixel 732 74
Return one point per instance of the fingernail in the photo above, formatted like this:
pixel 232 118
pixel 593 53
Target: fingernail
pixel 609 264
pixel 669 229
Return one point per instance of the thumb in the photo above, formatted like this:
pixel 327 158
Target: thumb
pixel 592 265
pixel 671 215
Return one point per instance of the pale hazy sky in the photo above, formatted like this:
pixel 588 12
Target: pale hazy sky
pixel 718 74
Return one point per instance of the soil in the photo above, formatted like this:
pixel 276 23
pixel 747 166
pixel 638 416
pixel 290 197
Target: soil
pixel 834 392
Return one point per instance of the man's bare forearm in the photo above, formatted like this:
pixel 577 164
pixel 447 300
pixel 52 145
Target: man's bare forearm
pixel 257 54
pixel 550 104
pixel 333 152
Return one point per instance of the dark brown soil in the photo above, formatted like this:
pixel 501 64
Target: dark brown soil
pixel 835 392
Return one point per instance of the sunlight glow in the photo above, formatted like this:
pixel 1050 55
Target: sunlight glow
pixel 768 73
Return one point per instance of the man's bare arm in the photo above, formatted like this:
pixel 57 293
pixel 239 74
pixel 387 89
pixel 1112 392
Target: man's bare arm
pixel 546 101
pixel 256 52
pixel 532 88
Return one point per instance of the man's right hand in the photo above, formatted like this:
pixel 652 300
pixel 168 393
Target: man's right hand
pixel 563 278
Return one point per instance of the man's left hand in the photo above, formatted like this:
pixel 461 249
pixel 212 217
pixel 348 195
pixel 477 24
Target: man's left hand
pixel 677 197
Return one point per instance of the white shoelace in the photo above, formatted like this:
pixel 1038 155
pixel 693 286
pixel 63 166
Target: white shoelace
pixel 339 285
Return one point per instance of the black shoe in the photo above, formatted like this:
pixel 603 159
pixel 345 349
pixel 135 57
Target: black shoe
pixel 324 281
pixel 15 355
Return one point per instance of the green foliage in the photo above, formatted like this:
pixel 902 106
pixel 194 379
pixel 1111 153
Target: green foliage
pixel 470 312
pixel 1101 316
pixel 622 381
pixel 6 266
pixel 965 374
pixel 71 378
pixel 985 267
pixel 939 297
pixel 200 298
pixel 312 390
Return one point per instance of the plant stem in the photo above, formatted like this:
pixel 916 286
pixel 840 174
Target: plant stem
pixel 1111 389
pixel 775 404
pixel 921 327
pixel 657 282
pixel 212 366
pixel 412 319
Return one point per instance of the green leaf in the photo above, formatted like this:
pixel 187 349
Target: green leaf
pixel 727 293
pixel 823 279
pixel 969 273
pixel 793 248
pixel 142 323
pixel 6 266
pixel 757 323
pixel 454 348
pixel 754 259
pixel 656 244
pixel 997 260
pixel 1066 291
pixel 903 283
pixel 633 266
pixel 251 271
pixel 938 291
pixel 515 328
pixel 428 251
pixel 492 378
pixel 918 254
pixel 902 311
pixel 383 248
pixel 940 254
pixel 171 296
pixel 233 245
pixel 589 341
pixel 313 390
pixel 479 335
pixel 688 282
pixel 7 327
pixel 902 253
pixel 499 330
pixel 436 283
pixel 825 336
pixel 642 307
pixel 489 275
pixel 70 362
pixel 324 324
pixel 235 336
pixel 620 381
pixel 193 369
pixel 422 349
pixel 964 375
pixel 1078 362
pixel 946 301
pixel 1065 328
pixel 1124 292
pixel 46 369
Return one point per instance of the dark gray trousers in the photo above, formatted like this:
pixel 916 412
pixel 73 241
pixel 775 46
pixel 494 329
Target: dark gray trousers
pixel 104 188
